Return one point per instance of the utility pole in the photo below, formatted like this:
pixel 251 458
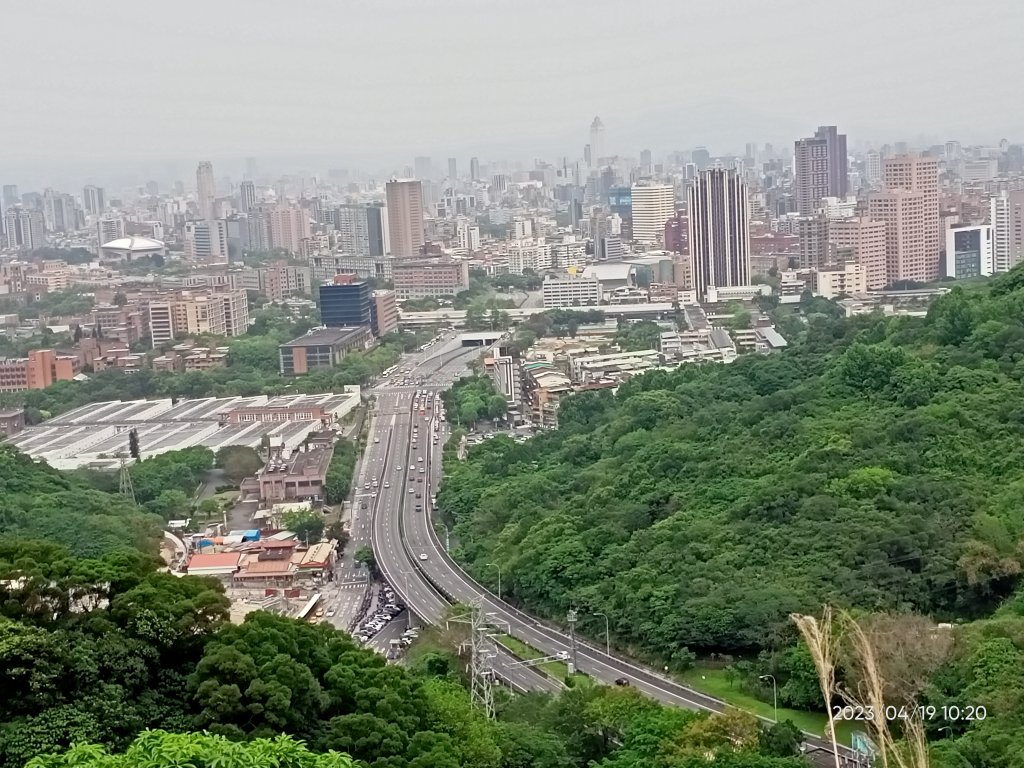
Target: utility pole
pixel 126 488
pixel 571 618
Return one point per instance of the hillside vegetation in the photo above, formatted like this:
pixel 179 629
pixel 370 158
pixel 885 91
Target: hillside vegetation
pixel 878 465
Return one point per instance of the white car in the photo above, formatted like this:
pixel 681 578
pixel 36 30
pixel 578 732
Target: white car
pixel 412 489
pixel 387 485
pixel 423 555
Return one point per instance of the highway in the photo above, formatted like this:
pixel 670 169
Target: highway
pixel 412 555
pixel 400 466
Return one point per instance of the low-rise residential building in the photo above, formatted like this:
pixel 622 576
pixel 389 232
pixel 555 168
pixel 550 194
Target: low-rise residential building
pixel 322 348
pixel 187 313
pixel 543 388
pixel 589 368
pixel 849 279
pixel 12 421
pixel 422 278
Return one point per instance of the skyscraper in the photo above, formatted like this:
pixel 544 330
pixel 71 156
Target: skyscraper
pixel 361 229
pixel 820 168
pixel 474 168
pixel 405 216
pixel 920 174
pixel 838 160
pixel 10 196
pixel 597 142
pixel 453 169
pixel 1007 217
pixel 646 166
pixel 207 240
pixel 206 190
pixel 652 205
pixel 423 168
pixel 246 196
pixel 94 200
pixel 288 228
pixel 719 230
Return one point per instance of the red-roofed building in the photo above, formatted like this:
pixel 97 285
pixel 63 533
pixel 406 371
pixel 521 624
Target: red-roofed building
pixel 215 564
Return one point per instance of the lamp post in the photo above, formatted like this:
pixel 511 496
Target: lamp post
pixel 775 694
pixel 495 565
pixel 607 634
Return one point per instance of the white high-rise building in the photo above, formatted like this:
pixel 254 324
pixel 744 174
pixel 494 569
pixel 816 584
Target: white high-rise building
pixel 719 230
pixel 1007 218
pixel 206 240
pixel 93 200
pixel 206 190
pixel 108 230
pixel 653 205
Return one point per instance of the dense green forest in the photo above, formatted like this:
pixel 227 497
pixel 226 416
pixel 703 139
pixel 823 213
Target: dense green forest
pixel 105 660
pixel 877 465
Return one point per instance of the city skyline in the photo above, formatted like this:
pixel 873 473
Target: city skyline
pixel 722 109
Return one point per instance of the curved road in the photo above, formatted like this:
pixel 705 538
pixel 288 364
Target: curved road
pixel 399 529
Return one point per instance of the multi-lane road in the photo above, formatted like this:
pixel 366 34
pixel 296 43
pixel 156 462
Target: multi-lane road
pixel 412 557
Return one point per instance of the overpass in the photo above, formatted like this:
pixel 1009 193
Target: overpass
pixel 457 317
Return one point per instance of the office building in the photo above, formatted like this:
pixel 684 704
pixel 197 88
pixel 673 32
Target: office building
pixel 453 169
pixel 1007 219
pixel 246 196
pixel 206 190
pixel 813 244
pixel 620 202
pixel 423 168
pixel 873 167
pixel 838 160
pixel 346 302
pixel 10 196
pixel 405 217
pixel 321 348
pixel 206 241
pixel 719 230
pixel 109 229
pixel 362 229
pixel 646 165
pixel 652 205
pixel 571 290
pixel 288 228
pixel 94 200
pixel 474 168
pixel 24 228
pixel 863 240
pixel 969 251
pixel 383 313
pixel 420 278
pixel 59 212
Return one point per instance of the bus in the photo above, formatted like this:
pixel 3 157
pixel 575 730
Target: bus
pixel 389 371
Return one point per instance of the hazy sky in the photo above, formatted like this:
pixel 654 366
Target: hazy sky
pixel 376 82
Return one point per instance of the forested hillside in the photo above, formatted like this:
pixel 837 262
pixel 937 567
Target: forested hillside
pixel 878 465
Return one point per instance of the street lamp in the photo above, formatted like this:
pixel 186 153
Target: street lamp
pixel 775 694
pixel 607 635
pixel 447 537
pixel 495 565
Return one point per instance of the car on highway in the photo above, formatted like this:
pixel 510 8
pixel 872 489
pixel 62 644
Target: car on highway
pixel 387 485
pixel 421 470
pixel 398 468
pixel 366 487
pixel 423 555
pixel 419 507
pixel 419 459
pixel 412 467
pixel 419 495
pixel 412 489
pixel 622 681
pixel 376 439
pixel 330 614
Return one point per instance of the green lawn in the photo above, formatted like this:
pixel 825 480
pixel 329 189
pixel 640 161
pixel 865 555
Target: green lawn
pixel 714 682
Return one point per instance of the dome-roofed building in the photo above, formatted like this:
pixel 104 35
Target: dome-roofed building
pixel 131 248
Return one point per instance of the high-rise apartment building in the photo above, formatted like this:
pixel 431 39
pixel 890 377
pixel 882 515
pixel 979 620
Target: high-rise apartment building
pixel 907 256
pixel 94 200
pixel 915 174
pixel 346 302
pixel 651 205
pixel 865 241
pixel 288 228
pixel 206 190
pixel 24 227
pixel 362 229
pixel 108 229
pixel 405 216
pixel 246 196
pixel 873 167
pixel 719 230
pixel 1007 219
pixel 814 251
pixel 206 241
pixel 819 169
